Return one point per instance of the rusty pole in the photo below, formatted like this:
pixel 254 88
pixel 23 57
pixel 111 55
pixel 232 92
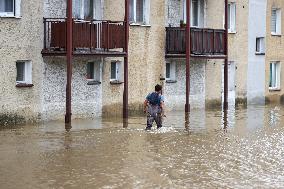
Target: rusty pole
pixel 225 105
pixel 69 62
pixel 187 44
pixel 125 92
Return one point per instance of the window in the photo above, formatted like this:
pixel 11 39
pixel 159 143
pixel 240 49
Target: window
pixel 116 71
pixel 197 13
pixel 274 81
pixel 260 47
pixel 139 11
pixel 10 8
pixel 87 9
pixel 170 71
pixel 24 72
pixel 232 17
pixel 276 22
pixel 94 71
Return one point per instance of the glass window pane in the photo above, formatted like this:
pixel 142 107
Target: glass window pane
pixel 195 13
pixel 273 20
pixel 90 70
pixel 139 10
pixel 113 70
pixel 20 71
pixel 168 70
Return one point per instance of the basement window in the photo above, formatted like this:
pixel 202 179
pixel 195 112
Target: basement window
pixel 116 72
pixel 24 73
pixel 93 73
pixel 170 72
pixel 274 79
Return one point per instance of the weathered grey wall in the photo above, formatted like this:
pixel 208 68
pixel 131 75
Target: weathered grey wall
pixel 86 99
pixel 21 39
pixel 273 52
pixel 175 92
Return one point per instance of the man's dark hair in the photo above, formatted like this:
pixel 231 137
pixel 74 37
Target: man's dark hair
pixel 158 88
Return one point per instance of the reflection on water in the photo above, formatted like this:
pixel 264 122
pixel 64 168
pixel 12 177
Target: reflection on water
pixel 240 148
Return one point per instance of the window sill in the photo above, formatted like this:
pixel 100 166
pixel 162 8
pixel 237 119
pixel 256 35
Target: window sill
pixel 23 85
pixel 16 17
pixel 142 25
pixel 171 81
pixel 232 32
pixel 259 53
pixel 276 35
pixel 93 82
pixel 115 82
pixel 274 89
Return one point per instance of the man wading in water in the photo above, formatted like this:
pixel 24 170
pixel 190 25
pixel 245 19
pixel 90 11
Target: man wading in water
pixel 154 106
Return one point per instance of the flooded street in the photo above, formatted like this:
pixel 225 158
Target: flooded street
pixel 202 150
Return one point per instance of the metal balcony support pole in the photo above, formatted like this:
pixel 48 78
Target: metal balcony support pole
pixel 69 63
pixel 187 44
pixel 125 92
pixel 225 105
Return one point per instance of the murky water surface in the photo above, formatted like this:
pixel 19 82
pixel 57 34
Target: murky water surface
pixel 244 149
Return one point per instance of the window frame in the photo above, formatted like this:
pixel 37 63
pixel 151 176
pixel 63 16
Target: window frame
pixel 118 73
pixel 199 15
pixel 96 71
pixel 277 74
pixel 96 11
pixel 260 42
pixel 278 20
pixel 172 73
pixel 16 11
pixel 146 13
pixel 232 14
pixel 27 72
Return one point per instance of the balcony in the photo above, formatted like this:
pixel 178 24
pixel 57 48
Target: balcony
pixel 205 43
pixel 90 37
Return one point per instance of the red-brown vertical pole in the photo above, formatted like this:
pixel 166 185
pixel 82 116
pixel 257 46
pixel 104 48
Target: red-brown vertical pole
pixel 69 62
pixel 225 105
pixel 125 92
pixel 187 44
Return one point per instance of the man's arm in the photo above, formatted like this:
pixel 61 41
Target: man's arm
pixel 145 105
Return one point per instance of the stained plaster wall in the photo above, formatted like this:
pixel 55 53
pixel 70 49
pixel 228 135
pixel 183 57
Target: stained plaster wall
pixel 146 58
pixel 86 99
pixel 274 51
pixel 21 39
pixel 175 92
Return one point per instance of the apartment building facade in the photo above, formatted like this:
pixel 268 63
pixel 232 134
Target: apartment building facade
pixel 33 50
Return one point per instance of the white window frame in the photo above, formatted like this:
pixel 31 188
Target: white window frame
pixel 276 29
pixel 28 72
pixel 232 17
pixel 146 13
pixel 172 71
pixel 96 72
pixel 118 73
pixel 97 10
pixel 16 10
pixel 276 66
pixel 200 16
pixel 260 42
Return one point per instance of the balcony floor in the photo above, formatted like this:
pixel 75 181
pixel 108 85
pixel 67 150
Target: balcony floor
pixel 84 52
pixel 204 56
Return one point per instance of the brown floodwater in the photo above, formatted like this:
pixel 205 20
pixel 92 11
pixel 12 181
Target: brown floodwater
pixel 243 148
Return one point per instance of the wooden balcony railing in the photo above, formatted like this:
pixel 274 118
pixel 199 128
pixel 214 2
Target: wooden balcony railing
pixel 203 41
pixel 92 35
